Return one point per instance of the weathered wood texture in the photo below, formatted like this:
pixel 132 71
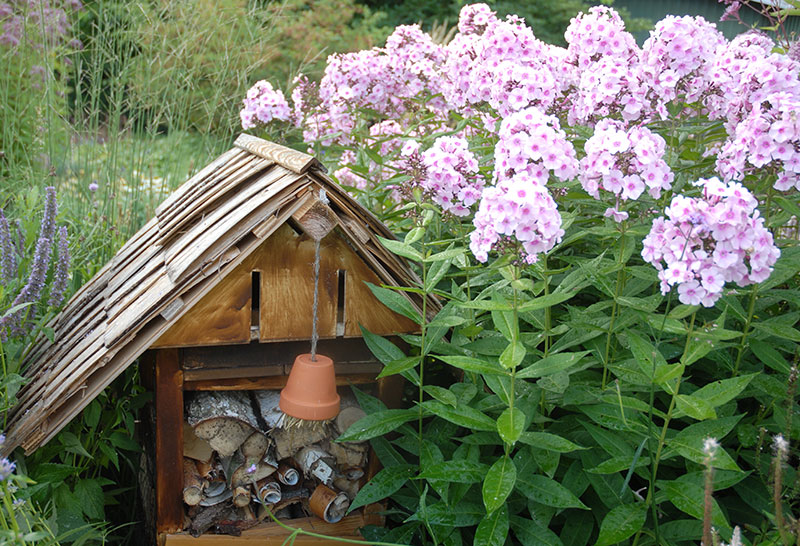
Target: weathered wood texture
pixel 184 260
pixel 169 441
pixel 271 534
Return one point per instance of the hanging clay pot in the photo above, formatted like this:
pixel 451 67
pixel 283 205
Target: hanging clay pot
pixel 310 392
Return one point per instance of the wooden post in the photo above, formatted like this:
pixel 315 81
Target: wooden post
pixel 169 441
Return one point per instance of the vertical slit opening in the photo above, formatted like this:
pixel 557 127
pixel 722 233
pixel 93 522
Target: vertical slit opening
pixel 255 304
pixel 341 275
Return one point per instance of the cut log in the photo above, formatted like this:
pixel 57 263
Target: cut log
pixel 269 410
pixel 348 416
pixel 347 454
pixel 289 441
pixel 206 518
pixel 224 418
pixel 245 475
pixel 255 447
pixel 195 447
pixel 241 496
pixel 192 483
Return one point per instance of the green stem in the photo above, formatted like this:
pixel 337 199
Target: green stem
pixel 547 310
pixel 664 428
pixel 746 331
pixel 614 307
pixel 515 338
pixel 295 531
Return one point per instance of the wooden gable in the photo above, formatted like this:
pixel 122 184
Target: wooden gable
pixel 186 279
pixel 280 270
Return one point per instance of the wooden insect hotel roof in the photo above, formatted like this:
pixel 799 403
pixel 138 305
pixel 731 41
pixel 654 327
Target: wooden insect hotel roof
pixel 200 234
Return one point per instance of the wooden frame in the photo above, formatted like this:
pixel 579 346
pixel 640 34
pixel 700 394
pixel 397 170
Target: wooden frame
pixel 175 371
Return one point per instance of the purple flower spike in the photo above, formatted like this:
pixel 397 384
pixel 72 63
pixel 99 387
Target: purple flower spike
pixel 62 269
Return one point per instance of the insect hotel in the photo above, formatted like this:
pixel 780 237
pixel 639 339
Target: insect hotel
pixel 242 301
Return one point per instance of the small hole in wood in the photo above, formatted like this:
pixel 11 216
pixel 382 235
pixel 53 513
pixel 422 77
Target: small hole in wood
pixel 255 301
pixel 341 274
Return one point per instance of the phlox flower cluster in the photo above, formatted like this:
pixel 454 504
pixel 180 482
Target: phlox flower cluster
pixel 708 241
pixel 767 140
pixel 610 86
pixel 752 80
pixel 599 33
pixel 519 207
pixel 501 63
pixel 532 143
pixel 516 210
pixel 678 57
pixel 262 104
pixel 381 79
pixel 624 162
pixel 726 72
pixel 451 177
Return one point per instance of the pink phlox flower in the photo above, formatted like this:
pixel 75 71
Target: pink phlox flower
pixel 707 241
pixel 262 104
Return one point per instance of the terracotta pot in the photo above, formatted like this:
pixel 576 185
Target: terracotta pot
pixel 310 392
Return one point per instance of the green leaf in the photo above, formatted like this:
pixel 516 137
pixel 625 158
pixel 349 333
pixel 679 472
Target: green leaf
pixel 463 514
pixel 441 394
pixel 696 408
pixel 399 366
pixel 548 492
pixel 53 472
pixel 457 471
pixel 486 305
pixel 493 529
pixel 621 522
pixel 383 349
pixel 545 301
pixel 505 324
pixel 724 390
pixel 435 274
pixel 448 254
pixel 91 415
pixel 384 483
pixel 414 235
pixel 767 354
pixel 530 533
pixel 401 249
pixel 471 364
pixel 782 331
pixel 689 441
pixel 688 498
pixel 71 443
pixel 550 442
pixel 512 356
pixel 464 416
pixel 551 364
pixel 510 425
pixel 396 302
pixel 377 424
pixel 499 483
pixel 91 498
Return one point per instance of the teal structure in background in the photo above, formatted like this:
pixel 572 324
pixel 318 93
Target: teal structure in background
pixel 711 10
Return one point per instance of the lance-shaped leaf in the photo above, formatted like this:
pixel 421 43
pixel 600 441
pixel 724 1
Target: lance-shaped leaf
pixel 499 483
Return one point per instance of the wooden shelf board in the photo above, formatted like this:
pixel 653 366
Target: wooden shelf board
pixel 272 534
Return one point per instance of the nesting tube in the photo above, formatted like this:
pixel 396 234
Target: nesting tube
pixel 328 504
pixel 287 474
pixel 268 491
